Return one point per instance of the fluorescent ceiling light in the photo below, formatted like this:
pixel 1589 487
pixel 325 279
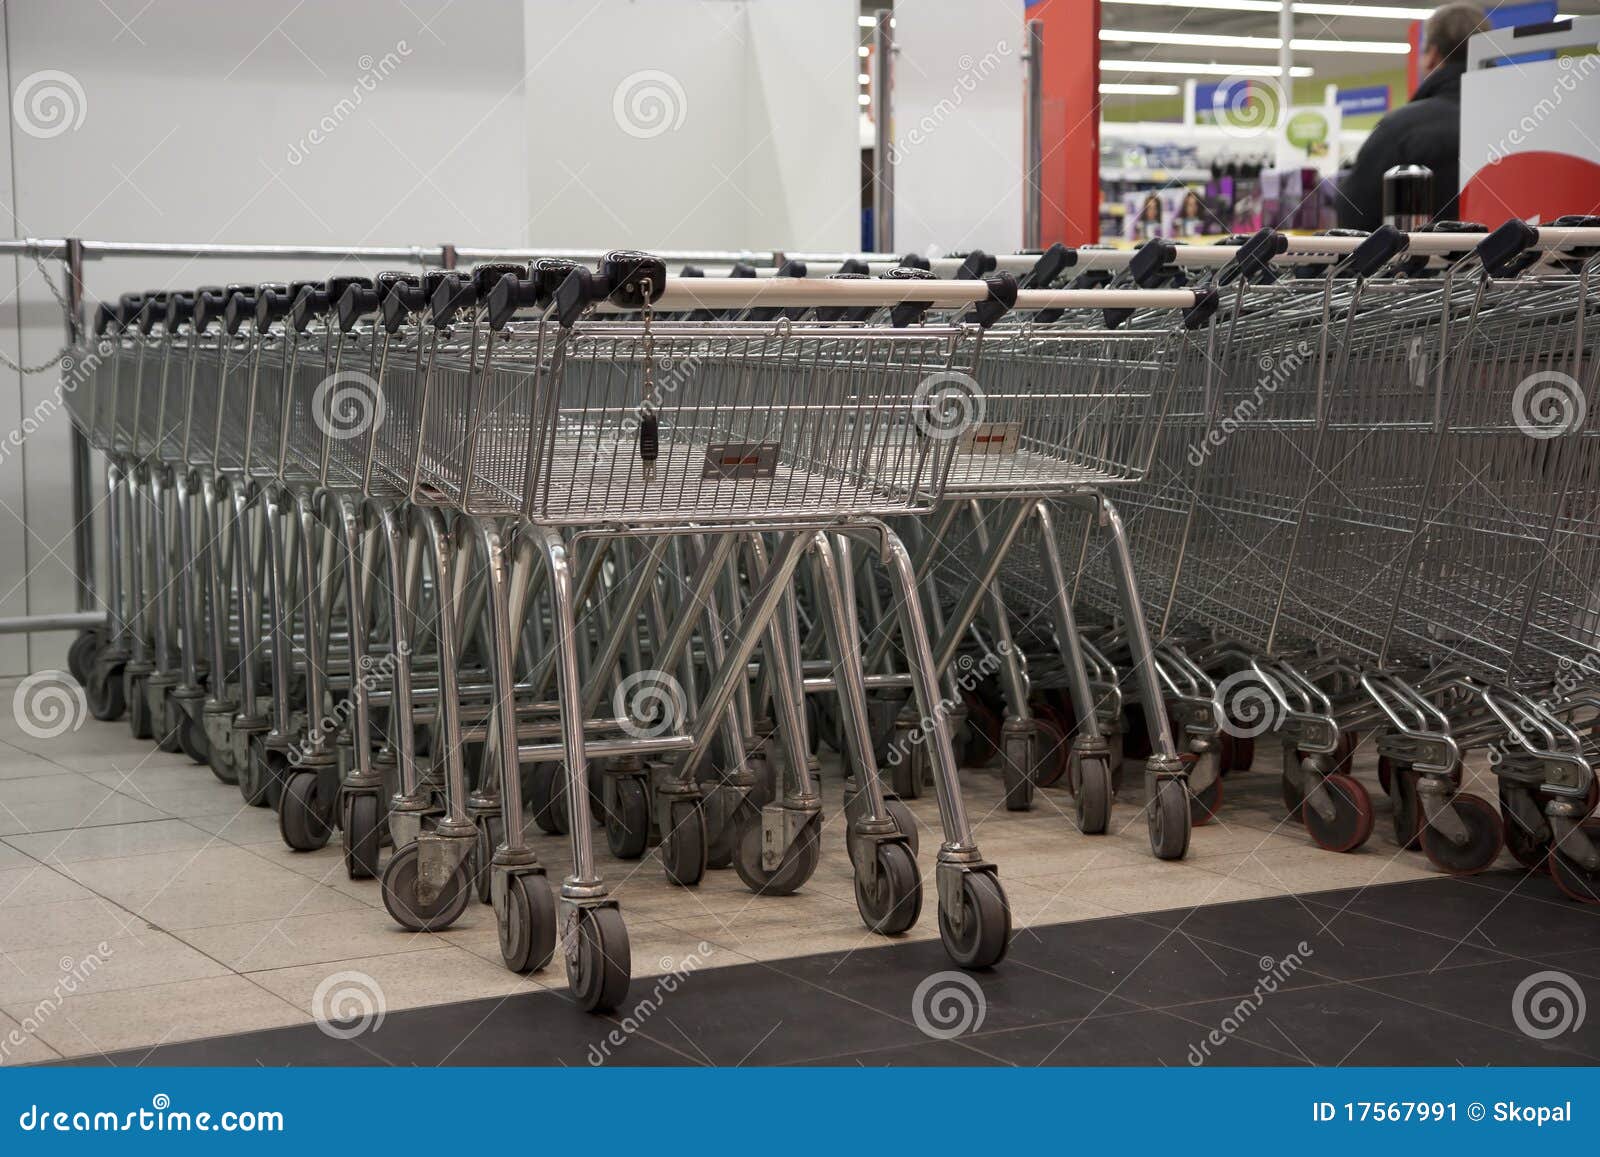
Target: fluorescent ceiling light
pixel 1208 40
pixel 1191 68
pixel 863 51
pixel 863 99
pixel 864 78
pixel 1139 90
pixel 866 22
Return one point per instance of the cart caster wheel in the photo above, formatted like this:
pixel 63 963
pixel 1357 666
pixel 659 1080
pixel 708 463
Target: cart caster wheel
pixel 547 795
pixel 221 762
pixel 81 653
pixel 1485 838
pixel 1093 795
pixel 1573 878
pixel 905 772
pixel 491 834
pixel 599 961
pixel 1386 774
pixel 1293 798
pixel 903 820
pixel 628 820
pixel 720 845
pixel 1351 823
pixel 363 835
pixel 1051 752
pixel 192 739
pixel 1018 784
pixel 1168 820
pixel 254 776
pixel 796 867
pixel 105 693
pixel 1530 849
pixel 1116 744
pixel 892 902
pixel 139 722
pixel 1203 804
pixel 1244 753
pixel 683 845
pixel 399 887
pixel 300 818
pixel 1407 814
pixel 985 925
pixel 528 927
pixel 169 717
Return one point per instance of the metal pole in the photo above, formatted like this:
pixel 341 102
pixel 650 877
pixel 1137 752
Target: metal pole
pixel 883 136
pixel 79 454
pixel 1285 59
pixel 1033 138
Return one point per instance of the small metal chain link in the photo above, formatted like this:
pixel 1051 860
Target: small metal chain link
pixel 65 350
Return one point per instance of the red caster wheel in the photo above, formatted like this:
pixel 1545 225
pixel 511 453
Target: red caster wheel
pixel 1485 838
pixel 1351 822
pixel 1343 753
pixel 1572 877
pixel 1407 814
pixel 1238 752
pixel 1530 849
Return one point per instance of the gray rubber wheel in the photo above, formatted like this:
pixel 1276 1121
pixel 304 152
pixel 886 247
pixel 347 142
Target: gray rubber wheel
pixel 796 867
pixel 192 738
pixel 628 819
pixel 301 820
pixel 107 700
pixel 547 795
pixel 1093 798
pixel 599 964
pixel 139 723
pixel 986 923
pixel 399 888
pixel 683 844
pixel 491 834
pixel 255 776
pixel 363 836
pixel 1168 818
pixel 528 926
pixel 891 902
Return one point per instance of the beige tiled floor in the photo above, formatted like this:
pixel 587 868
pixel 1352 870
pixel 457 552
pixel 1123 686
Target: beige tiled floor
pixel 143 903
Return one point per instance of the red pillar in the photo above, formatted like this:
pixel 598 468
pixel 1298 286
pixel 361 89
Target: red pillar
pixel 1070 121
pixel 1414 59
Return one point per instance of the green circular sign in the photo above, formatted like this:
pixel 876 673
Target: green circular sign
pixel 1306 129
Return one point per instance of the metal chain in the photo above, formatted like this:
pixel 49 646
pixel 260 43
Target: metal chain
pixel 65 350
pixel 649 347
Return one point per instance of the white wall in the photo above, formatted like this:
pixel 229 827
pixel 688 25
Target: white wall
pixel 693 124
pixel 388 122
pixel 958 82
pixel 195 127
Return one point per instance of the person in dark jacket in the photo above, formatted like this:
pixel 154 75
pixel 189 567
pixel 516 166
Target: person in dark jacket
pixel 1426 131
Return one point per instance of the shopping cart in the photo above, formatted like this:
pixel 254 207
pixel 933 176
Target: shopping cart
pixel 1314 588
pixel 784 430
